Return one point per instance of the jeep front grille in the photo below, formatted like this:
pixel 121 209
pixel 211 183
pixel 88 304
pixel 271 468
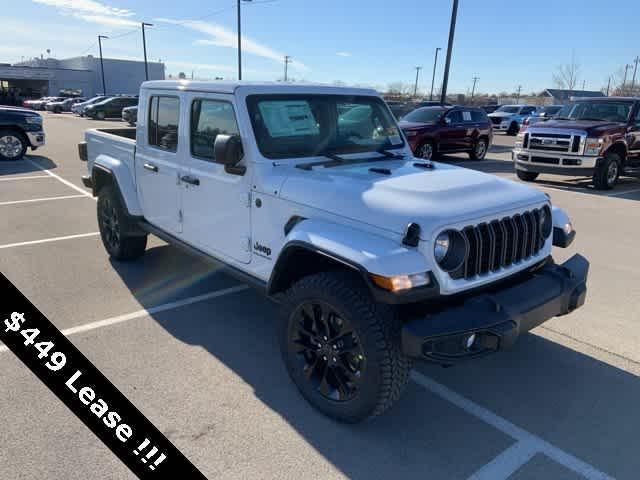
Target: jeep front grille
pixel 500 244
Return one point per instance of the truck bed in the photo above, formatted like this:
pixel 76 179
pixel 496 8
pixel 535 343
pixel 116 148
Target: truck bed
pixel 113 145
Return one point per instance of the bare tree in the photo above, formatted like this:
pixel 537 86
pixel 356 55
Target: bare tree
pixel 566 76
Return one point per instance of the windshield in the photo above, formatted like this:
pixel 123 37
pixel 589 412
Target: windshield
pixel 551 110
pixel 597 111
pixel 287 126
pixel 508 109
pixel 424 115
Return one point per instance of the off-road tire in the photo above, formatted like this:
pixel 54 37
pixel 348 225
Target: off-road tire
pixel 602 177
pixel 526 176
pixel 19 137
pixel 377 327
pixel 125 247
pixel 479 153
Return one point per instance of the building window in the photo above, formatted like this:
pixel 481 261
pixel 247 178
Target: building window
pixel 164 117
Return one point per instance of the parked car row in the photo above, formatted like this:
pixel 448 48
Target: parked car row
pixel 98 107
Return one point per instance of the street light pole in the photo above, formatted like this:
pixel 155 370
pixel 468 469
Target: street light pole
pixel 433 77
pixel 415 88
pixel 144 47
pixel 104 84
pixel 452 31
pixel 519 90
pixel 287 61
pixel 473 90
pixel 240 40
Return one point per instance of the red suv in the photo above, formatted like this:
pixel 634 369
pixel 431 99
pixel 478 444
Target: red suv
pixel 444 129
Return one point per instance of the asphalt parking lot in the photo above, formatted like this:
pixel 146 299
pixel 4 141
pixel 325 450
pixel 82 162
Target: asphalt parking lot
pixel 196 352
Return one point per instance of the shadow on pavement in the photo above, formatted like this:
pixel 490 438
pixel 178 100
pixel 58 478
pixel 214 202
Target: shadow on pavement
pixel 16 167
pixel 581 405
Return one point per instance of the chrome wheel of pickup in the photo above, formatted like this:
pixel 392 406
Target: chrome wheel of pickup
pixel 425 151
pixel 11 147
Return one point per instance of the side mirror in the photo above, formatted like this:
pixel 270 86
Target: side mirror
pixel 227 150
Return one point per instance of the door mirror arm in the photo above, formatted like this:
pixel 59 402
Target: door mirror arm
pixel 227 151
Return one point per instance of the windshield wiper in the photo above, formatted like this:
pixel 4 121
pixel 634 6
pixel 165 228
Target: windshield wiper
pixel 332 162
pixel 389 154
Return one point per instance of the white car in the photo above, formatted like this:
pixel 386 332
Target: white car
pixel 509 118
pixel 330 215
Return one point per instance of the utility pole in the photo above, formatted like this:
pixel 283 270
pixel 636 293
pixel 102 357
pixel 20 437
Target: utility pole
pixel 287 61
pixel 473 90
pixel 433 77
pixel 144 47
pixel 584 84
pixel 104 85
pixel 519 90
pixel 608 85
pixel 415 88
pixel 452 31
pixel 635 70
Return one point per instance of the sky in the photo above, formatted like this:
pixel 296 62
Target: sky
pixel 358 42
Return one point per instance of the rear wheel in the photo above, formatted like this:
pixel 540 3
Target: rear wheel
pixel 111 222
pixel 13 145
pixel 607 172
pixel 513 129
pixel 479 150
pixel 527 176
pixel 426 150
pixel 341 349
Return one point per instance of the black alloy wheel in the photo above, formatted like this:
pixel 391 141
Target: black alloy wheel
pixel 328 350
pixel 109 224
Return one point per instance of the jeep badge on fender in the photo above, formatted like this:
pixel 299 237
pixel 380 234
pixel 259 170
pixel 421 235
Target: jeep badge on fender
pixel 339 188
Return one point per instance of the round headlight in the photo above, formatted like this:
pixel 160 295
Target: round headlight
pixel 441 247
pixel 450 250
pixel 546 222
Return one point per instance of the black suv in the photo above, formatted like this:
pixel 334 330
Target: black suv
pixel 110 108
pixel 19 129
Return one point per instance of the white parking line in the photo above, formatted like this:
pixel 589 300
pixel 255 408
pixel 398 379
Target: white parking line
pixel 66 182
pixel 505 426
pixel 28 177
pixel 43 199
pixel 147 311
pixel 507 463
pixel 47 240
pixel 617 194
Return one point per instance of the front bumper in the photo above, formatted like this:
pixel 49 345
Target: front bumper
pixel 498 318
pixel 557 163
pixel 36 139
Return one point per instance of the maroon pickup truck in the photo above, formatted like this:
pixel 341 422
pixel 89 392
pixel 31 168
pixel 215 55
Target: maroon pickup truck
pixel 447 129
pixel 594 137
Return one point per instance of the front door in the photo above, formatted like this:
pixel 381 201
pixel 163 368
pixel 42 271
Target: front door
pixel 215 203
pixel 452 133
pixel 158 166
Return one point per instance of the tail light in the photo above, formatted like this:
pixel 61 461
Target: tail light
pixel 526 122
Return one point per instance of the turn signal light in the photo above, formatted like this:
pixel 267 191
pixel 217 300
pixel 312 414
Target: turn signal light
pixel 397 283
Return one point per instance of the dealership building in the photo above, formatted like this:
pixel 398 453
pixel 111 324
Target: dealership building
pixel 78 75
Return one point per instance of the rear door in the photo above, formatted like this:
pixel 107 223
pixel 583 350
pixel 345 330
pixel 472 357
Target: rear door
pixel 215 203
pixel 633 139
pixel 159 150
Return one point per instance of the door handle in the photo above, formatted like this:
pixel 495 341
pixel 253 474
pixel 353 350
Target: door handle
pixel 190 180
pixel 150 166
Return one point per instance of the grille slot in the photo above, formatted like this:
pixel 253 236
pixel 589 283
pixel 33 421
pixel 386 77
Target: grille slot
pixel 500 244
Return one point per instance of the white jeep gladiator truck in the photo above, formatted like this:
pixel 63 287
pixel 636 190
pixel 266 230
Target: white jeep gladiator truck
pixel 376 257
